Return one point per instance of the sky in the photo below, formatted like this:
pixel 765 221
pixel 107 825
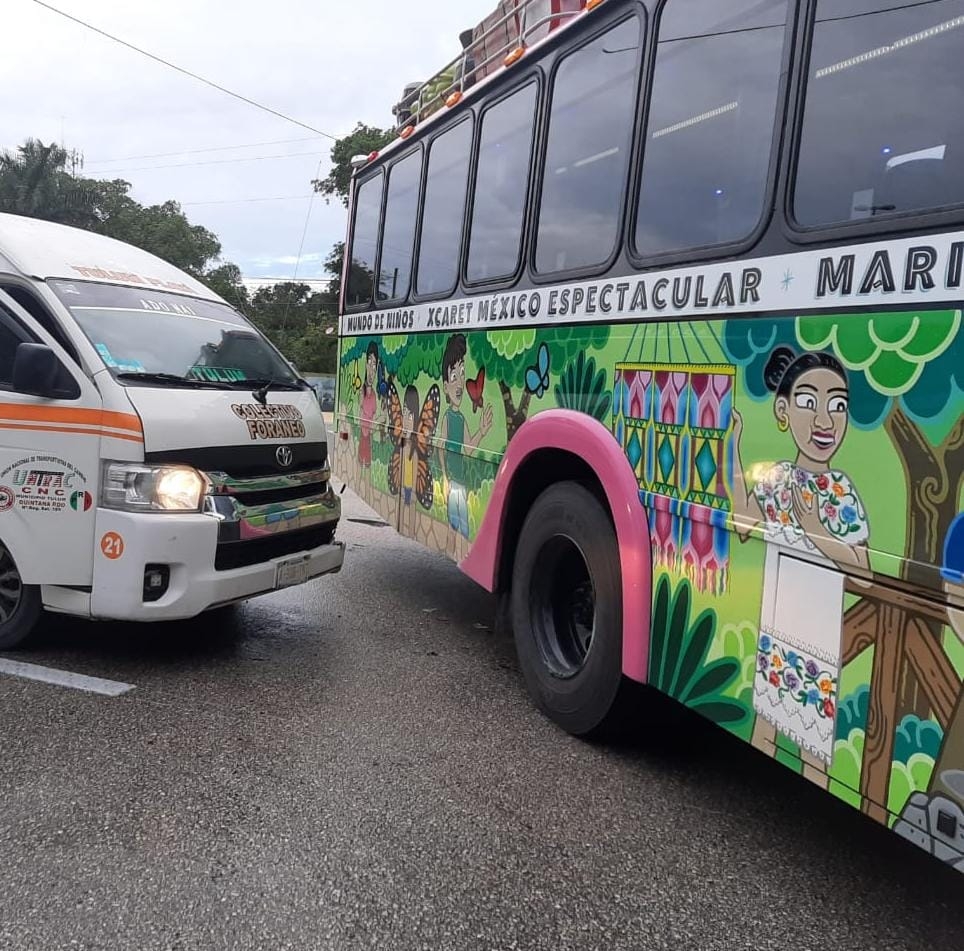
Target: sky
pixel 327 64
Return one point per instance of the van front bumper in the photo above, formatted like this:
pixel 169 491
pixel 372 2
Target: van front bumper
pixel 187 546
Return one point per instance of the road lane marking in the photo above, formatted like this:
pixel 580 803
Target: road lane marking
pixel 63 678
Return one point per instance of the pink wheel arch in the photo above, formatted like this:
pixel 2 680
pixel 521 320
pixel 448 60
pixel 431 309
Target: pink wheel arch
pixel 588 439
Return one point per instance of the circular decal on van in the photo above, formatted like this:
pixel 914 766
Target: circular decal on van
pixel 81 501
pixel 7 498
pixel 112 546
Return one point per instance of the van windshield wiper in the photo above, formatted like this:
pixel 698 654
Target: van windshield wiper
pixel 172 379
pixel 264 386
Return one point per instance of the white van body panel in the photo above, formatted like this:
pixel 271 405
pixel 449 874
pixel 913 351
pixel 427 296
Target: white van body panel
pixel 232 419
pixel 43 250
pixel 269 512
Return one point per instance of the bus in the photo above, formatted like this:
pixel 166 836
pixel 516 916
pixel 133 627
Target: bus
pixel 655 330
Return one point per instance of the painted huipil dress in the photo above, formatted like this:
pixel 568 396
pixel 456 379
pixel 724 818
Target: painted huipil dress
pixel 801 621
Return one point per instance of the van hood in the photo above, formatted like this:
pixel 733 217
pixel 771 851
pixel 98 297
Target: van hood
pixel 192 420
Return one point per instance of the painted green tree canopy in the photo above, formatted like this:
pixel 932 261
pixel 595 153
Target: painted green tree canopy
pixel 916 359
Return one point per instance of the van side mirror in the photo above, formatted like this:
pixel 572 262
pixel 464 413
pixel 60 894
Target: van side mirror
pixel 38 372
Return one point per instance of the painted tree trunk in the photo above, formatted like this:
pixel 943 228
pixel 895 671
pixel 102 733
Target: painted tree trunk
pixel 934 477
pixel 514 416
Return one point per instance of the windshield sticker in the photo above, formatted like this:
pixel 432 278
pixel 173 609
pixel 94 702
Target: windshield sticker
pixel 271 422
pixel 217 374
pixel 127 277
pixel 105 354
pixel 44 484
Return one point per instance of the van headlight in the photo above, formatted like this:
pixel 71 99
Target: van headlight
pixel 139 488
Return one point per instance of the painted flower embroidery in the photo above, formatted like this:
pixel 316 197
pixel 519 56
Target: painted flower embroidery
pixel 830 494
pixel 802 680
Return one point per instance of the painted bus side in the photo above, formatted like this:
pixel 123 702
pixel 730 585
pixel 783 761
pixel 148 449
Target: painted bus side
pixel 775 425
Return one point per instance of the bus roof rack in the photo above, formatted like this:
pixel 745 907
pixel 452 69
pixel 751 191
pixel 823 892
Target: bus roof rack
pixel 512 27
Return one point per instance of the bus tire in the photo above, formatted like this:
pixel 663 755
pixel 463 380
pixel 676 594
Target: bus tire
pixel 567 613
pixel 20 604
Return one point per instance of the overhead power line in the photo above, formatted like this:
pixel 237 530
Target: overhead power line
pixel 214 148
pixel 229 161
pixel 245 201
pixel 181 69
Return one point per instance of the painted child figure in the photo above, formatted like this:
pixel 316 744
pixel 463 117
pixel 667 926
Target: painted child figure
pixel 458 443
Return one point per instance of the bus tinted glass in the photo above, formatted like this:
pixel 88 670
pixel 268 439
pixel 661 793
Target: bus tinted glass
pixel 398 234
pixel 361 274
pixel 587 159
pixel 882 129
pixel 444 210
pixel 710 131
pixel 501 184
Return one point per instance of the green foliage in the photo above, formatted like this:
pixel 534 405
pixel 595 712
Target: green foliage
pixel 478 503
pixel 506 354
pixel 852 712
pixel 908 778
pixel 362 140
pixel 891 349
pixel 916 736
pixel 678 657
pixel 845 770
pixel 583 389
pixel 913 358
pixel 302 324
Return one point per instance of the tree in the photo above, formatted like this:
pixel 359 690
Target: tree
pixel 508 354
pixel 906 371
pixel 34 182
pixel 301 323
pixel 362 140
pixel 906 374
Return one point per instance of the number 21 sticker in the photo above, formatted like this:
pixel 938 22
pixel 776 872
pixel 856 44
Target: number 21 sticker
pixel 112 546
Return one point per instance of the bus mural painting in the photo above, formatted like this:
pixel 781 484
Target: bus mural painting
pixel 368 404
pixel 812 512
pixel 411 429
pixel 458 441
pixel 934 820
pixel 785 416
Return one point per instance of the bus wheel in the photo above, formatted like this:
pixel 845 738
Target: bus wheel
pixel 567 609
pixel 19 603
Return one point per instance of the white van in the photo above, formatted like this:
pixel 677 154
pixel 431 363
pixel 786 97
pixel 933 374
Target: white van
pixel 158 457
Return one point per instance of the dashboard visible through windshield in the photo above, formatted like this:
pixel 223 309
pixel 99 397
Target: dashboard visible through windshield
pixel 154 338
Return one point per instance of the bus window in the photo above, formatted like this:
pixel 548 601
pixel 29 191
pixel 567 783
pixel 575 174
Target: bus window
pixel 501 184
pixel 361 274
pixel 398 234
pixel 710 132
pixel 445 187
pixel 587 158
pixel 882 132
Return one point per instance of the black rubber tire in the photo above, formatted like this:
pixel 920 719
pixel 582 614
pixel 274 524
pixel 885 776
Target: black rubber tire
pixel 20 625
pixel 577 688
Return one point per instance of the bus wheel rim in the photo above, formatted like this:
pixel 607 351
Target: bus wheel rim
pixel 563 606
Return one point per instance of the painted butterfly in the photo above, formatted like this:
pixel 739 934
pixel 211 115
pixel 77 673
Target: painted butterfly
pixel 537 377
pixel 419 444
pixel 476 389
pixel 382 385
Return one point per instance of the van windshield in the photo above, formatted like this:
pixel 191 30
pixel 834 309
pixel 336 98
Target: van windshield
pixel 152 338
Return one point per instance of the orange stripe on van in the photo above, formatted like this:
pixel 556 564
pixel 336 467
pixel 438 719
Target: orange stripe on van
pixel 72 430
pixel 61 414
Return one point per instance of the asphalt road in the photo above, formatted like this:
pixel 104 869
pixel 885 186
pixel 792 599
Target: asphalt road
pixel 355 764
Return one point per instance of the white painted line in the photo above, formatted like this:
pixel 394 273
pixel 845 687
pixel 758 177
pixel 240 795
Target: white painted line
pixel 63 678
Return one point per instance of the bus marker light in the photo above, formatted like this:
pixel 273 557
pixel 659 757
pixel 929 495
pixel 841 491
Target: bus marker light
pixel 515 56
pixel 406 132
pixel 454 99
pixel 373 156
pixel 592 4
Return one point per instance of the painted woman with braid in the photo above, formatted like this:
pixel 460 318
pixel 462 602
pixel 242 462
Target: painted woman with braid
pixel 816 530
